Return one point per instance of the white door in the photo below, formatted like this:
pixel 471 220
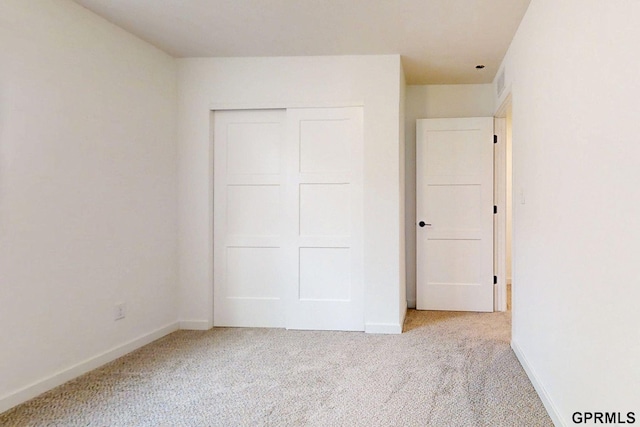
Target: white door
pixel 325 152
pixel 288 219
pixel 248 225
pixel 454 181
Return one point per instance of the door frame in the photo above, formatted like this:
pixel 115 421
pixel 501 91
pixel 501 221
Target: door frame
pixel 500 199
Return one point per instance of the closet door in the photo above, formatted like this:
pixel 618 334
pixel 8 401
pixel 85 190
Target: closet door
pixel 323 249
pixel 288 219
pixel 249 188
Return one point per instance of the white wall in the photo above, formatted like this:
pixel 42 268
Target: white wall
pixel 573 71
pixel 372 81
pixel 87 193
pixel 509 189
pixel 434 102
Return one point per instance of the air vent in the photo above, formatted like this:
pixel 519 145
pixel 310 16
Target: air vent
pixel 500 83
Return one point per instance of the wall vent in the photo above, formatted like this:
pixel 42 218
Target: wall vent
pixel 500 83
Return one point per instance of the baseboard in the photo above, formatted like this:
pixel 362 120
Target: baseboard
pixel 411 303
pixel 542 392
pixel 29 392
pixel 196 325
pixel 383 328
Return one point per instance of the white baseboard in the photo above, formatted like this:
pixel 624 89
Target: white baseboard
pixel 386 328
pixel 29 392
pixel 411 303
pixel 196 325
pixel 383 328
pixel 542 392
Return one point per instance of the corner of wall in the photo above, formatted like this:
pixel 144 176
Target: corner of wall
pixel 403 196
pixel 33 390
pixel 99 117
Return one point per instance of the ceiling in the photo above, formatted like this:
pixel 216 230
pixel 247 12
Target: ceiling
pixel 441 41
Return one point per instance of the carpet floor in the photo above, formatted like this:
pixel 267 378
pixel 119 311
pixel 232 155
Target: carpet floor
pixel 446 369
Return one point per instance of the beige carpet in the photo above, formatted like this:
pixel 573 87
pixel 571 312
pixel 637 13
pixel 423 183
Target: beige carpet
pixel 447 369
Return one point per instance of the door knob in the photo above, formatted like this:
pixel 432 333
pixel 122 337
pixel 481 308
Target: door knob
pixel 422 224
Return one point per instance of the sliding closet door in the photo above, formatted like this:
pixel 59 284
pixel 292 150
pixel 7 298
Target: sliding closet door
pixel 324 213
pixel 288 219
pixel 249 216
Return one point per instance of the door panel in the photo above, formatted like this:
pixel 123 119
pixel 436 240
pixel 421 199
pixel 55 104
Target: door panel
pixel 455 196
pixel 253 273
pixel 324 145
pixel 254 210
pixel 325 210
pixel 325 274
pixel 249 181
pixel 325 174
pixel 254 148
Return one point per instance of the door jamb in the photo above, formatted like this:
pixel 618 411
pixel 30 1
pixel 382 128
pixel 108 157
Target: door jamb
pixel 500 200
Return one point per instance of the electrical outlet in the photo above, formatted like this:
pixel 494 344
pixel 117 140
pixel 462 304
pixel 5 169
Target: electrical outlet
pixel 120 311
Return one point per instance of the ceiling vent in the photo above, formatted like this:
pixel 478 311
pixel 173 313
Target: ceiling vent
pixel 500 83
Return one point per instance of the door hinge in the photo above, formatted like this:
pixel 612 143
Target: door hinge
pixel 495 209
pixel 495 139
pixel 495 280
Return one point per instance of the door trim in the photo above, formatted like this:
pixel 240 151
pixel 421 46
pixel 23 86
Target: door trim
pixel 500 222
pixel 500 230
pixel 222 106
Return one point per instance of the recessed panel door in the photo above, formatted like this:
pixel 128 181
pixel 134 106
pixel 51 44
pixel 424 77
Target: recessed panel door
pixel 454 181
pixel 324 215
pixel 249 187
pixel 288 219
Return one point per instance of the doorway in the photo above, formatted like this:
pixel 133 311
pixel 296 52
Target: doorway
pixel 503 235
